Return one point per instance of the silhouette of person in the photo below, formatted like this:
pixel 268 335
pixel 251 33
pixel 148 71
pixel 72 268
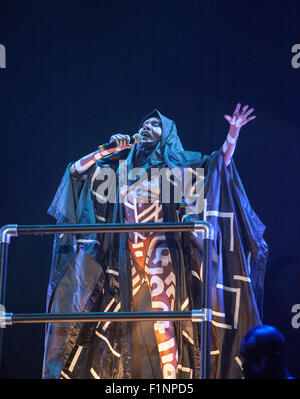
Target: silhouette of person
pixel 263 349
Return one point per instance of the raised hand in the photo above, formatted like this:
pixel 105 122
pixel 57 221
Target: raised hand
pixel 240 117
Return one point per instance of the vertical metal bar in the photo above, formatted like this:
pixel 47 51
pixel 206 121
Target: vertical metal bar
pixel 3 270
pixel 206 307
pixel 6 232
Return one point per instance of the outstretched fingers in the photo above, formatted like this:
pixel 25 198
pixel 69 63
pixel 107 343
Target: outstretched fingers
pixel 237 109
pixel 248 120
pixel 248 112
pixel 240 116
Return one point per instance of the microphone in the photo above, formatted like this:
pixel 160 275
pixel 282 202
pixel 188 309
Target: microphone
pixel 107 146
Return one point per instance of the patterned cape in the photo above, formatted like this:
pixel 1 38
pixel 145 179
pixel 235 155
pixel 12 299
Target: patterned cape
pixel 91 272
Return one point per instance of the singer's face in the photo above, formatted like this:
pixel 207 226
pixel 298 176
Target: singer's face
pixel 151 130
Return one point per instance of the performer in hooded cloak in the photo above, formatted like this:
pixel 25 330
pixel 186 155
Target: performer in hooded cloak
pixel 152 271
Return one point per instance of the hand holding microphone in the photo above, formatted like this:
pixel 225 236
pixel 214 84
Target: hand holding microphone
pixel 118 142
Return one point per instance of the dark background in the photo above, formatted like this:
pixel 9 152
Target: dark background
pixel 79 71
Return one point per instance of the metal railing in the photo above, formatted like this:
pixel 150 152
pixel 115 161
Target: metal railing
pixel 203 315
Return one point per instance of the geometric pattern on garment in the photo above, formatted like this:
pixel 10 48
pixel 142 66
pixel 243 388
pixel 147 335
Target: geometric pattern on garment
pixel 237 292
pixel 151 259
pixel 142 213
pixel 161 281
pixel 227 215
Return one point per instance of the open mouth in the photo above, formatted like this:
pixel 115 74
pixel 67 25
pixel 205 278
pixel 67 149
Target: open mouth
pixel 145 134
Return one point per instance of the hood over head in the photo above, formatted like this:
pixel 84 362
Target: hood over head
pixel 169 147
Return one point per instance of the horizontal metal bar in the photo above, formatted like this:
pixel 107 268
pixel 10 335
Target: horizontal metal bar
pixel 15 230
pixel 28 318
pixel 104 228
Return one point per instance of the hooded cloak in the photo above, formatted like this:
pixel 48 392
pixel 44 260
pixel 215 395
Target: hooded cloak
pixel 91 272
